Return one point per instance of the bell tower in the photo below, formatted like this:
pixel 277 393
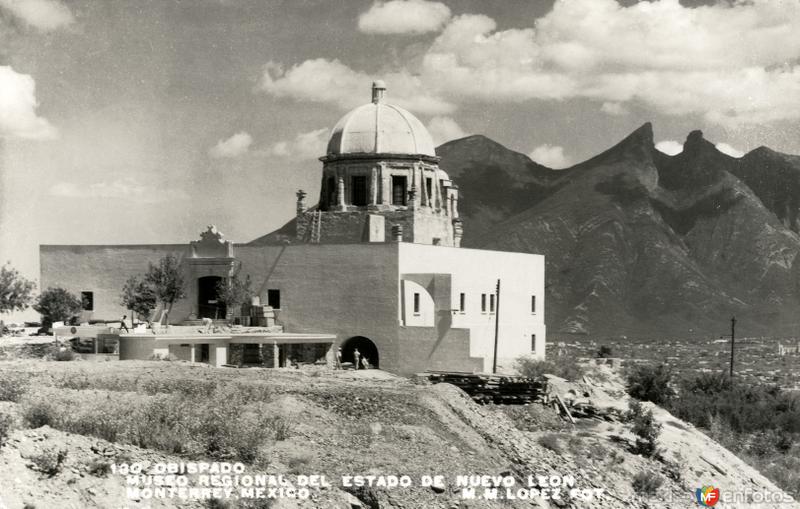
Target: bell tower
pixel 381 172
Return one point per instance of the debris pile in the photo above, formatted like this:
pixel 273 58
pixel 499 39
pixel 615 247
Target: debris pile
pixel 485 388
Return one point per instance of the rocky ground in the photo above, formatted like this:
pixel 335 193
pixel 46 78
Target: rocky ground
pixel 344 423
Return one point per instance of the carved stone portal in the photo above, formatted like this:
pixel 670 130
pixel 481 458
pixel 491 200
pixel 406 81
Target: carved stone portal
pixel 212 245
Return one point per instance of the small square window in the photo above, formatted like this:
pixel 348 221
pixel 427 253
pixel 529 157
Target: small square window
pixel 87 301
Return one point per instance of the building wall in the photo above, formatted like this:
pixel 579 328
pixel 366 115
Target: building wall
pixel 475 272
pixel 104 270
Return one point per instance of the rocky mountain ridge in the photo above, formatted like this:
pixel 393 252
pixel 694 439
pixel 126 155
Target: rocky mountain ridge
pixel 639 242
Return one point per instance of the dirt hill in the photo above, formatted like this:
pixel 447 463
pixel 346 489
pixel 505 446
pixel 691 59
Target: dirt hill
pixel 641 243
pixel 334 424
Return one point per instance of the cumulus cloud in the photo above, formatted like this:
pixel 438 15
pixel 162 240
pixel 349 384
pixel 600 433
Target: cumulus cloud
pixel 18 118
pixel 330 81
pixel 44 15
pixel 615 109
pixel 308 145
pixel 669 147
pixel 731 62
pixel 404 17
pixel 444 129
pixel 126 189
pixel 551 156
pixel 234 146
pixel 728 149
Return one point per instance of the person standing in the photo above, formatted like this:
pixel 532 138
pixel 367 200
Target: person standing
pixel 356 358
pixel 339 358
pixel 122 323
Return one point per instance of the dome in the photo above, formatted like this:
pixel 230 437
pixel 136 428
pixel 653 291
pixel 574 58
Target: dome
pixel 380 128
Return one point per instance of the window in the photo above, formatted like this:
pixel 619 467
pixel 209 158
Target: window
pixel 399 190
pixel 533 342
pixel 358 191
pixel 491 303
pixel 274 298
pixel 331 191
pixel 87 301
pixel 462 302
pixel 429 189
pixel 483 303
pixel 416 303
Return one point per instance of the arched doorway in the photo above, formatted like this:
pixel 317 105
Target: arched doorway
pixel 207 304
pixel 365 347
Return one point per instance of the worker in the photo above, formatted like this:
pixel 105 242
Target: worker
pixel 356 358
pixel 339 358
pixel 122 323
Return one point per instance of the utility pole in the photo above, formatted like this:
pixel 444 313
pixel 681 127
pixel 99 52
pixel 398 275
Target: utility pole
pixel 733 340
pixel 496 328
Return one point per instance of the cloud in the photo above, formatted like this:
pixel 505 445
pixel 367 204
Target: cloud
pixel 127 189
pixel 44 15
pixel 669 147
pixel 551 156
pixel 731 151
pixel 308 145
pixel 444 129
pixel 234 146
pixel 733 63
pixel 18 118
pixel 615 109
pixel 330 81
pixel 404 17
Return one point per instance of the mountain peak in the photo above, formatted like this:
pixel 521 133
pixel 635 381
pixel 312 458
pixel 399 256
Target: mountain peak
pixel 695 143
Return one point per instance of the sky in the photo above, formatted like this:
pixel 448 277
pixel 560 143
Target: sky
pixel 143 121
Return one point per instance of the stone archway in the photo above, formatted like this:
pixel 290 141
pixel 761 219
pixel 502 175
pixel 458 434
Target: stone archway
pixel 365 347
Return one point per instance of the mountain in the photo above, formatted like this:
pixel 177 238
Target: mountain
pixel 642 243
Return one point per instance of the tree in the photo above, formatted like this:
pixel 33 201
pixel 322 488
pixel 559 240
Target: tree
pixel 167 282
pixel 234 291
pixel 651 383
pixel 16 292
pixel 57 305
pixel 138 297
pixel 645 427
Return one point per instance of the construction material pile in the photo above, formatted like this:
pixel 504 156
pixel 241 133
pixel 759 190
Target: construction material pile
pixel 485 388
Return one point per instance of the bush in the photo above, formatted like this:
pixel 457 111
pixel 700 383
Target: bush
pixel 604 352
pixel 6 423
pixel 64 354
pixel 552 442
pixel 38 413
pixel 651 383
pixel 99 468
pixel 564 366
pixel 50 461
pixel 12 386
pixel 647 483
pixel 644 426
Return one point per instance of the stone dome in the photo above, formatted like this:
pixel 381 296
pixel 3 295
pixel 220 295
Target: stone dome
pixel 380 128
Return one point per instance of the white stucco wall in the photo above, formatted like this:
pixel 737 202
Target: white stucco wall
pixel 475 272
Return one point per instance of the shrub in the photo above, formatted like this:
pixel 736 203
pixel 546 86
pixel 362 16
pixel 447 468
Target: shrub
pixel 6 423
pixel 552 442
pixel 99 468
pixel 64 354
pixel 604 352
pixel 297 461
pixel 564 366
pixel 49 461
pixel 651 383
pixel 647 483
pixel 12 386
pixel 645 428
pixel 39 413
